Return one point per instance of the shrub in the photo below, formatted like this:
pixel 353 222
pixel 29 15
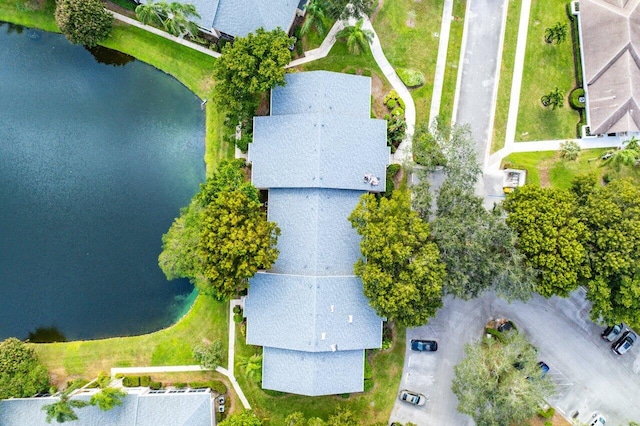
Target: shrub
pixel 218 386
pixel 238 318
pixel 180 385
pixel 209 355
pixel 345 395
pixel 351 70
pixel 155 385
pixel 570 150
pixel 119 376
pixel 393 100
pixel 495 333
pixel 574 98
pixel 83 22
pixel 243 142
pixel 411 77
pixel 392 171
pixel 396 131
pixel 548 413
pixel 548 423
pixel 368 385
pixel 237 309
pixel 131 381
pixel 145 381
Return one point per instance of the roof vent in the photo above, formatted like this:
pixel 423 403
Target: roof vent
pixel 371 179
pixel 350 318
pixel 323 335
pixel 334 347
pixel 331 308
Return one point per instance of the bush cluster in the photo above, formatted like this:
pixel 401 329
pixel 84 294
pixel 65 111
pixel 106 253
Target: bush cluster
pixel 392 171
pixel 135 381
pixel 411 77
pixel 574 98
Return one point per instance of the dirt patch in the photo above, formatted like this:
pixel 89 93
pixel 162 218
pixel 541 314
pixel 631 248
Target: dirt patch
pixel 263 108
pixel 378 93
pixel 556 420
pixel 411 19
pixel 544 170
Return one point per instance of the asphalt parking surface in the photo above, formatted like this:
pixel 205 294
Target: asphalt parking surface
pixel 588 376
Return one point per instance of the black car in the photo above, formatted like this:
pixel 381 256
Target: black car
pixel 424 345
pixel 610 333
pixel 624 343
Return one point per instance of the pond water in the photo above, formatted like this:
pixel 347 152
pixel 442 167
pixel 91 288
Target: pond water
pixel 96 159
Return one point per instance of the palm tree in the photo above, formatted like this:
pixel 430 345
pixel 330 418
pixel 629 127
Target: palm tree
pixel 252 367
pixel 314 17
pixel 62 411
pixel 555 98
pixel 623 157
pixel 557 33
pixel 177 19
pixel 172 17
pixel 108 398
pixel 358 38
pixel 150 13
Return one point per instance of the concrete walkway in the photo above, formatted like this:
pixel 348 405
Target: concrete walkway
pixel 228 372
pixel 163 34
pixel 518 68
pixel 323 50
pixel 404 152
pixel 441 62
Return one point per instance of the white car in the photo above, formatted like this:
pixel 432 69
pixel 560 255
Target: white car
pixel 414 398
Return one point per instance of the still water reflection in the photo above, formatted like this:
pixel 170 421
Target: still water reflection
pixel 95 162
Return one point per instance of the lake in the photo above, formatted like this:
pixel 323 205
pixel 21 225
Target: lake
pixel 95 162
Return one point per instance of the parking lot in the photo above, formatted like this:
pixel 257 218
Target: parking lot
pixel 588 376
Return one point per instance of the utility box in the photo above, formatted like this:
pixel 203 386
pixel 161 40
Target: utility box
pixel 512 179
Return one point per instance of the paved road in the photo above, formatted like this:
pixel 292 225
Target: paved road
pixel 478 83
pixel 588 376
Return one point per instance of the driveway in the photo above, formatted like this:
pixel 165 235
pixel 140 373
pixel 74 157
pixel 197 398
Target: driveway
pixel 588 376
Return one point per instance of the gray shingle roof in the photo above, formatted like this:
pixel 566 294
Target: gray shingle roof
pixel 181 409
pixel 313 374
pixel 309 312
pixel 241 17
pixel 330 151
pixel 313 313
pixel 323 92
pixel 610 31
pixel 316 236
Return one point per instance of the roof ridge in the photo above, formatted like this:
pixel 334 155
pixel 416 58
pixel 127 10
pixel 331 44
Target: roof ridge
pixel 614 59
pixel 616 115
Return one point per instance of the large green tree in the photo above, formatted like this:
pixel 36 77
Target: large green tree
pixel 477 247
pixel 612 216
pixel 357 38
pixel 401 268
pixel 83 22
pixel 63 410
pixel 22 374
pixel 249 67
pixel 550 236
pixel 499 383
pixel 223 237
pixel 345 9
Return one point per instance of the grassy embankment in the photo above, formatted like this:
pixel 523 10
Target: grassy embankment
pixel 545 67
pixel 407 31
pixel 207 318
pixel 370 407
pixel 506 75
pixel 453 60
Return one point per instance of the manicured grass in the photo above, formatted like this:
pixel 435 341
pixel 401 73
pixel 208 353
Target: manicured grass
pixel 407 32
pixel 369 407
pixel 546 66
pixel 340 60
pixel 548 168
pixel 506 74
pixel 312 39
pixel 453 60
pixel 207 319
pixel 30 13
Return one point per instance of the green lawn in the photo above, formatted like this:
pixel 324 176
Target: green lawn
pixel 207 319
pixel 407 32
pixel 370 407
pixel 453 60
pixel 546 66
pixel 506 74
pixel 340 60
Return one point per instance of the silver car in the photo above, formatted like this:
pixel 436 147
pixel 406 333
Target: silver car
pixel 414 398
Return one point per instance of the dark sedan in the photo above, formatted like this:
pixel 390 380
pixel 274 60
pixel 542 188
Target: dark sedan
pixel 424 345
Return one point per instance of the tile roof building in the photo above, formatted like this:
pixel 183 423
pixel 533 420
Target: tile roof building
pixel 610 44
pixel 237 18
pixel 308 311
pixel 141 407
